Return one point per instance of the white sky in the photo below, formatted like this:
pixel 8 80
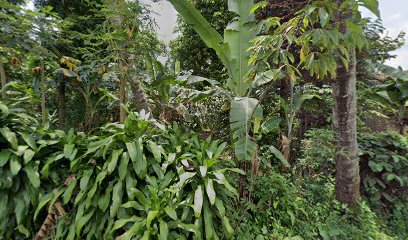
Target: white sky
pixel 393 12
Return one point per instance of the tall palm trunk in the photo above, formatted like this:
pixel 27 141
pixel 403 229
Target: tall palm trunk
pixel 61 103
pixel 140 98
pixel 122 98
pixel 3 81
pixel 345 125
pixel 43 89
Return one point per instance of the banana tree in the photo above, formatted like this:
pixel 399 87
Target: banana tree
pixel 232 50
pixel 394 93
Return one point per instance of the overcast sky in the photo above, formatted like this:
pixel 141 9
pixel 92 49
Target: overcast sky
pixel 393 12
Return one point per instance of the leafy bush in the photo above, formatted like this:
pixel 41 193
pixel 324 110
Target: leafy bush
pixel 384 158
pixel 317 153
pixel 287 207
pixel 136 179
pixel 26 156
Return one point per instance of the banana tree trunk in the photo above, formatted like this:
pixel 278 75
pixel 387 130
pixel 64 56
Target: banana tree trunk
pixel 3 81
pixel 43 89
pixel 140 98
pixel 61 104
pixel 345 126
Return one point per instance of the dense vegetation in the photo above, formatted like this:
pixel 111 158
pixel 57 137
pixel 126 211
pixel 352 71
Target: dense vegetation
pixel 269 120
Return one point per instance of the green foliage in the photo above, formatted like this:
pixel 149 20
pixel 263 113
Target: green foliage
pixel 232 51
pixel 242 112
pixel 287 207
pixel 232 48
pixel 316 36
pixel 27 167
pixel 111 177
pixel 380 46
pixel 386 155
pixel 122 168
pixel 317 154
pixel 191 51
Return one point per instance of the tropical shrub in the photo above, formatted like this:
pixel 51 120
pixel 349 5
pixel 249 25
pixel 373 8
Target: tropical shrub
pixel 27 172
pixel 385 157
pixel 317 153
pixel 138 179
pixel 288 207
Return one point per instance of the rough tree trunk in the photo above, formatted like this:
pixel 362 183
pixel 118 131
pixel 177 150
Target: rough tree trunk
pixel 43 89
pixel 61 104
pixel 140 98
pixel 117 21
pixel 122 99
pixel 345 126
pixel 3 81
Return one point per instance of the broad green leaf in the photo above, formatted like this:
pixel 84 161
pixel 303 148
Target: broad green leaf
pixel 279 155
pixel 155 150
pixel 68 149
pixel 114 160
pixel 19 208
pixel 220 207
pixel 184 177
pixel 4 157
pixel 134 229
pixel 242 110
pixel 28 155
pixel 372 5
pixel 32 175
pixel 54 199
pixel 210 191
pixel 171 212
pixel 29 140
pixel 82 221
pixel 323 16
pixel 150 217
pixel 208 221
pixel 44 200
pixel 164 230
pixel 68 192
pixel 121 222
pixel 15 165
pixel 85 179
pixel 266 77
pixel 9 136
pixel 188 227
pixel 141 198
pixel 227 226
pixel 269 125
pixel 203 171
pixel 123 166
pixel 198 201
pixel 146 235
pixel 135 151
pixel 23 230
pixel 222 180
pixel 117 195
pixel 133 204
pixel 238 37
pixel 131 184
pixel 104 200
pixel 20 150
